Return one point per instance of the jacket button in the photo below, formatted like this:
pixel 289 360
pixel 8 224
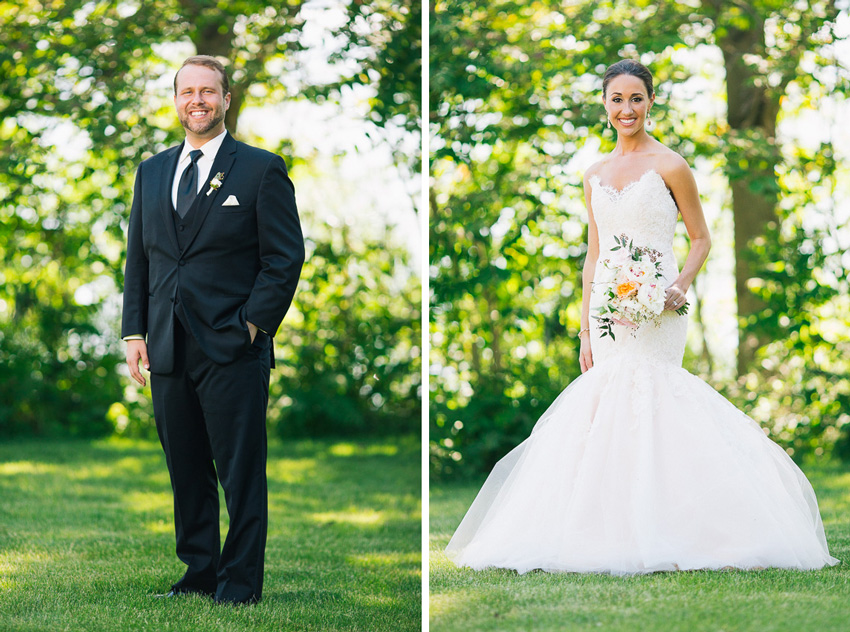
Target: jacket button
pixel 181 228
pixel 182 262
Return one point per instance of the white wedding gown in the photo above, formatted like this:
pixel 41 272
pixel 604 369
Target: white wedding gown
pixel 639 466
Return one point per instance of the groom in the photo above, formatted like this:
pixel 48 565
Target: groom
pixel 214 250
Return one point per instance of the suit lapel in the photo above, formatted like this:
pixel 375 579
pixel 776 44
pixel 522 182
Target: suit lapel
pixel 203 203
pixel 166 182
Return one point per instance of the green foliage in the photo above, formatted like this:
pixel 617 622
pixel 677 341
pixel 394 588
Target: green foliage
pixel 351 354
pixel 387 35
pixel 77 115
pixel 60 219
pixel 461 445
pixel 800 391
pixel 73 406
pixel 505 267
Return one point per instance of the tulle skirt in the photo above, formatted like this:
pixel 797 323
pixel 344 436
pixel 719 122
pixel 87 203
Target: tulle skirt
pixel 642 467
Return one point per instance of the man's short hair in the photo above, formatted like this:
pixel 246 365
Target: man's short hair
pixel 209 62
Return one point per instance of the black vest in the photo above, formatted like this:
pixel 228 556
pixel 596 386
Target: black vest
pixel 183 229
pixel 183 226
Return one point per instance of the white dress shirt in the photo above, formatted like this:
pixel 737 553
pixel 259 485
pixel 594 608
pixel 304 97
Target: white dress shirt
pixel 204 164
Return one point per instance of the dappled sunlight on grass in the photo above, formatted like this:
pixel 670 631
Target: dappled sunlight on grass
pixel 292 500
pixel 147 501
pixel 354 449
pixel 378 600
pixel 148 465
pixel 456 603
pixel 441 604
pixel 832 484
pixel 287 470
pixel 16 562
pixel 94 471
pixel 343 484
pixel 383 559
pixel 15 468
pixel 351 516
pixel 160 527
pixel 833 493
pixel 123 444
pixel 357 448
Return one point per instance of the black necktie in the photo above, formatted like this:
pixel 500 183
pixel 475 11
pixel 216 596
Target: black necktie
pixel 187 190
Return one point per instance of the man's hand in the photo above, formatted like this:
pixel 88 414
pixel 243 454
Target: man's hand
pixel 252 329
pixel 137 350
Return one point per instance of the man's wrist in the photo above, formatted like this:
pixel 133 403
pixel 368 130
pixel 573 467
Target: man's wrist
pixel 250 324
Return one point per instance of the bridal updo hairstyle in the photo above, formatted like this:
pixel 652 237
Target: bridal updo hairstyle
pixel 627 67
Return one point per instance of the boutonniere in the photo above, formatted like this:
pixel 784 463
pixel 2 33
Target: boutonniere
pixel 216 182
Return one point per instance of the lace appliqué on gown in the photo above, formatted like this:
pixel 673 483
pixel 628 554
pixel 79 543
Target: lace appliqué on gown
pixel 639 466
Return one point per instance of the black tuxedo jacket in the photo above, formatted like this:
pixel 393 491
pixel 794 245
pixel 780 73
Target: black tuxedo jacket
pixel 239 264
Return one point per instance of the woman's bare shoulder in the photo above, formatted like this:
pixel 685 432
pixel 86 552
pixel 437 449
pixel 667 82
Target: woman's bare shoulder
pixel 672 167
pixel 594 169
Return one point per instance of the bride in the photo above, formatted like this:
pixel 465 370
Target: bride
pixel 639 466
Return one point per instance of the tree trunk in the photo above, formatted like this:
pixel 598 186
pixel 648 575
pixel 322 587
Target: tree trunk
pixel 212 35
pixel 752 113
pixel 210 40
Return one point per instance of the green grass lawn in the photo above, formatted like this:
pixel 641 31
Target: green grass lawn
pixel 87 540
pixel 729 601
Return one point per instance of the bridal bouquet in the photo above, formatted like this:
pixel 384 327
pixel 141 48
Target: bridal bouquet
pixel 636 292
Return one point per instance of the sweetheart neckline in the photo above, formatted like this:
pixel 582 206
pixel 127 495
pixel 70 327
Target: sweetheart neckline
pixel 615 193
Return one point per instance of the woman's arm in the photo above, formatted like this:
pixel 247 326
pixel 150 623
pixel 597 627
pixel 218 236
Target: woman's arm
pixel 680 181
pixel 585 354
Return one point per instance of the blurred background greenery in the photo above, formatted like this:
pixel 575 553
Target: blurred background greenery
pixel 752 94
pixel 85 95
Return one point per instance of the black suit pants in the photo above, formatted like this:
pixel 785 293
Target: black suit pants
pixel 211 421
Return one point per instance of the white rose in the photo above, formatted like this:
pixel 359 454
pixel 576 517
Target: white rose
pixel 640 271
pixel 651 296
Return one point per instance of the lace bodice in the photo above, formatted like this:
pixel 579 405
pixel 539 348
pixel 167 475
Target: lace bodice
pixel 646 212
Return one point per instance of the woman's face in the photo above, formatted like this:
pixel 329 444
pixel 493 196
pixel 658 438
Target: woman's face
pixel 627 104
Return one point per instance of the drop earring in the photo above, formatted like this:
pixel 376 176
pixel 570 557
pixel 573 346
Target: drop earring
pixel 609 121
pixel 649 124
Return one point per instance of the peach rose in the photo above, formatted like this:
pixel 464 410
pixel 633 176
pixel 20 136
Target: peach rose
pixel 626 289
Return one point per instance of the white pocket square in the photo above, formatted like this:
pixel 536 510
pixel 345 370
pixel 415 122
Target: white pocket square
pixel 231 201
